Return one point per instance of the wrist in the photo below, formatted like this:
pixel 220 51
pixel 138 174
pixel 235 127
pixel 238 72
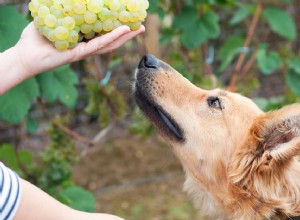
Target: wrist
pixel 12 70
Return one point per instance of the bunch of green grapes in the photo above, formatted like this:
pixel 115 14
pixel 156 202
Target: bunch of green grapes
pixel 67 22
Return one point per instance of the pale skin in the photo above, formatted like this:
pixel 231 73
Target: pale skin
pixel 32 55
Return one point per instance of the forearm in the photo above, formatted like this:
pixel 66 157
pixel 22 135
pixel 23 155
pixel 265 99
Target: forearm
pixel 11 70
pixel 38 205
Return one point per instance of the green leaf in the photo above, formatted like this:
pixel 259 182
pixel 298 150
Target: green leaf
pixel 229 50
pixel 210 22
pixel 191 40
pixel 59 84
pixel 194 29
pixel 186 19
pixel 241 14
pixel 12 24
pixel 293 80
pixel 31 125
pixel 16 103
pixel 188 23
pixel 281 22
pixel 155 7
pixel 79 199
pixel 294 64
pixel 268 63
pixel 8 155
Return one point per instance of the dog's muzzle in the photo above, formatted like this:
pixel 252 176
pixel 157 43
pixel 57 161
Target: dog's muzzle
pixel 143 91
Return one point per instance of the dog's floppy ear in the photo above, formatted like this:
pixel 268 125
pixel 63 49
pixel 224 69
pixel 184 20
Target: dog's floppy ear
pixel 278 134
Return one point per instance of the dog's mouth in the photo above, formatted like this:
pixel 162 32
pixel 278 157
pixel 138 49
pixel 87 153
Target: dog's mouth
pixel 157 115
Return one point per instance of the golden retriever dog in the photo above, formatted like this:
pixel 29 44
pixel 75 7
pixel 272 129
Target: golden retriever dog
pixel 240 162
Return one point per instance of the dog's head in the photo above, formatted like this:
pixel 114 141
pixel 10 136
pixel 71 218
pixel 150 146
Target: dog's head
pixel 208 124
pixel 216 134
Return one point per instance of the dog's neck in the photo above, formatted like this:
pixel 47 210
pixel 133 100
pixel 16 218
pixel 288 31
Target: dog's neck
pixel 217 198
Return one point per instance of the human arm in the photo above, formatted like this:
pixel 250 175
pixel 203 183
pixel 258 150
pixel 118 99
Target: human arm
pixel 38 205
pixel 33 54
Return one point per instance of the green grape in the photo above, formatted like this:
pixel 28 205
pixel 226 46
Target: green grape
pixel 34 6
pixel 73 36
pixel 67 2
pixel 59 22
pixel 134 16
pixel 56 13
pixel 51 36
pixel 135 26
pixel 68 22
pixel 77 29
pixel 86 28
pixel 142 14
pixel 43 11
pixel 95 6
pixel 114 5
pixel 107 2
pixel 114 15
pixel 48 3
pixel 133 5
pixel 124 2
pixel 105 13
pixel 34 14
pixel 72 45
pixel 116 24
pixel 46 30
pixel 38 22
pixel 144 4
pixel 68 10
pixel 108 25
pixel 62 44
pixel 79 8
pixel 50 20
pixel 79 19
pixel 58 4
pixel 124 16
pixel 61 33
pixel 90 17
pixel 90 35
pixel 122 7
pixel 98 26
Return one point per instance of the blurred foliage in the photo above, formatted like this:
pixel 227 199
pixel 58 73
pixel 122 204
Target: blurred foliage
pixel 57 84
pixel 202 39
pixel 217 31
pixel 52 170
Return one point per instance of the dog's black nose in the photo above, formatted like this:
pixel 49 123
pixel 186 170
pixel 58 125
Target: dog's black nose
pixel 148 61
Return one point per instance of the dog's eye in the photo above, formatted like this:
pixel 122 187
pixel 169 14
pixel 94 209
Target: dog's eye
pixel 214 102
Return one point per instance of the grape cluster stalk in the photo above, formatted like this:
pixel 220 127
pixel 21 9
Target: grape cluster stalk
pixel 67 22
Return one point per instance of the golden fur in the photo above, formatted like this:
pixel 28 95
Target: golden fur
pixel 240 162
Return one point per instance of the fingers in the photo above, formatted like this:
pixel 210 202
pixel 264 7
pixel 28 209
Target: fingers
pixel 119 42
pixel 103 44
pixel 85 49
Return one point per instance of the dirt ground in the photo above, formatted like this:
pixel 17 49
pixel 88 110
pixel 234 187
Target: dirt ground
pixel 136 179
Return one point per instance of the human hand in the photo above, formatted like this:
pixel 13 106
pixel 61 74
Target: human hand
pixel 36 54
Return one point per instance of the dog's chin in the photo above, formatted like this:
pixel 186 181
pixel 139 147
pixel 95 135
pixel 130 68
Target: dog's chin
pixel 158 116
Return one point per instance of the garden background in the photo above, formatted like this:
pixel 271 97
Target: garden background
pixel 76 132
